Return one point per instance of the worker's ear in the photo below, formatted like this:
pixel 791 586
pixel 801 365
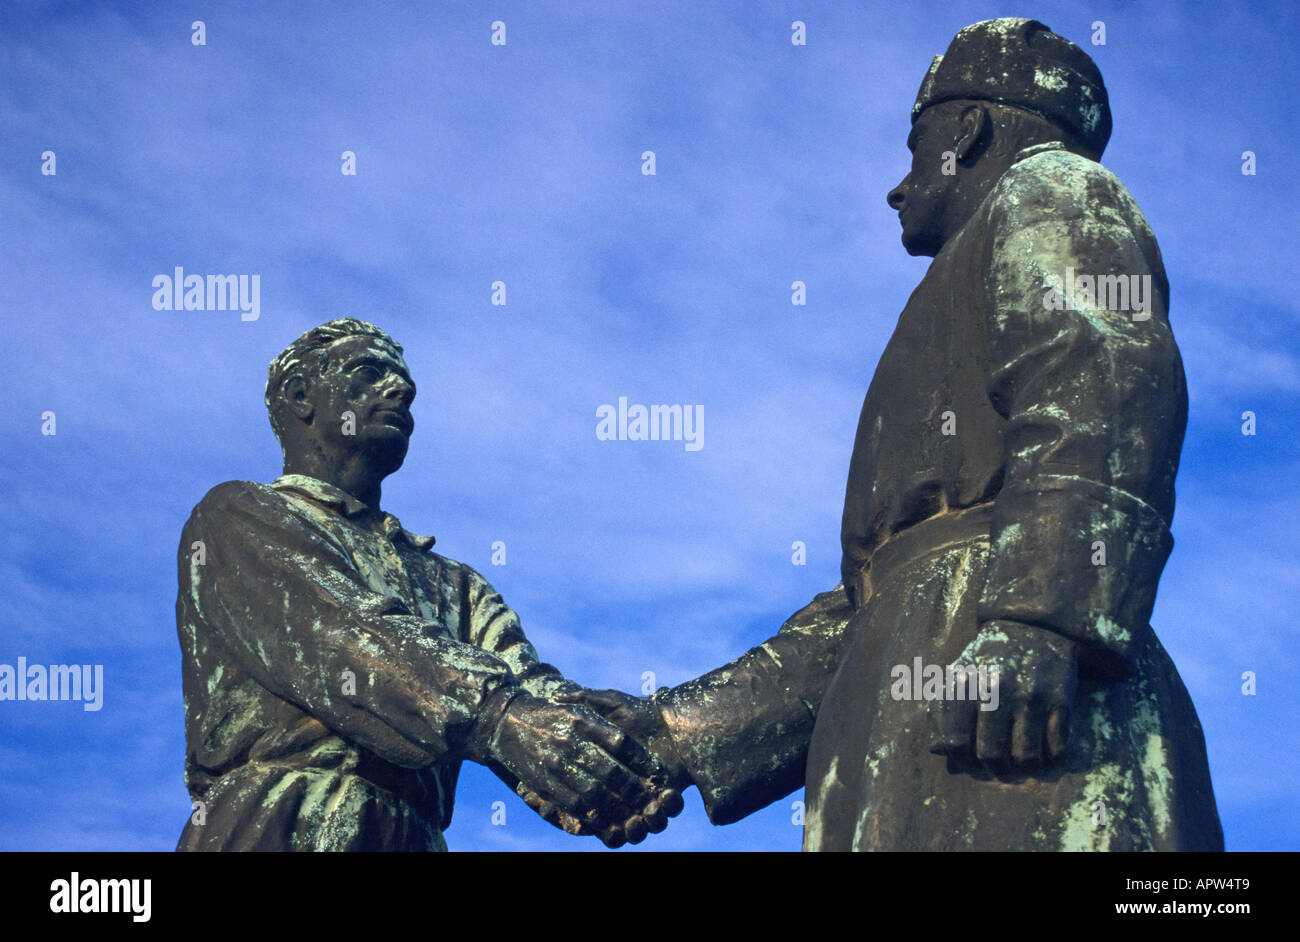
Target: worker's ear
pixel 296 388
pixel 973 129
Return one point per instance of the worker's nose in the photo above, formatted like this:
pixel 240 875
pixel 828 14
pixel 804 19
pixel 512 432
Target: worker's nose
pixel 399 389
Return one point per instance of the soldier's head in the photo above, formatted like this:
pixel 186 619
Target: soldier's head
pixel 1002 86
pixel 342 392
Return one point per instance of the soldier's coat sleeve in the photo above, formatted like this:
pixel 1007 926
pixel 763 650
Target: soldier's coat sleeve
pixel 280 596
pixel 743 730
pixel 1095 404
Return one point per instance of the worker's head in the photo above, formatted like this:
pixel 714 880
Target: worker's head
pixel 342 388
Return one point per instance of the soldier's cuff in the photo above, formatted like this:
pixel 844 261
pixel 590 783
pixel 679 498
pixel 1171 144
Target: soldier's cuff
pixel 727 730
pixel 1077 557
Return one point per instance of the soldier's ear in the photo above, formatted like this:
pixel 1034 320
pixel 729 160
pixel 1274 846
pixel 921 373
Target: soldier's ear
pixel 973 130
pixel 296 388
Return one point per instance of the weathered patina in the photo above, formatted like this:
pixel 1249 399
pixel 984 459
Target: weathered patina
pixel 1009 502
pixel 337 671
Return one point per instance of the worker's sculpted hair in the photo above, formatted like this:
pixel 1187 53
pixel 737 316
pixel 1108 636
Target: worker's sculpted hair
pixel 309 355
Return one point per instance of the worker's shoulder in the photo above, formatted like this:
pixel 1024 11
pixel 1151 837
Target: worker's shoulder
pixel 236 496
pixel 453 569
pixel 466 577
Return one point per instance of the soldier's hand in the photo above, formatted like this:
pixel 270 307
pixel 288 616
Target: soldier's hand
pixel 579 771
pixel 640 719
pixel 1035 682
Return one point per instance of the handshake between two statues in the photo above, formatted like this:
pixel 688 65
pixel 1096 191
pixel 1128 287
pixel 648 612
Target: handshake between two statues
pixel 1008 516
pixel 1037 675
pixel 582 772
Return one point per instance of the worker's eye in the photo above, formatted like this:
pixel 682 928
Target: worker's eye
pixel 367 373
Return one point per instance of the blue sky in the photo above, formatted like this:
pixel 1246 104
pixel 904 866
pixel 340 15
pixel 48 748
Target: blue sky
pixel 521 163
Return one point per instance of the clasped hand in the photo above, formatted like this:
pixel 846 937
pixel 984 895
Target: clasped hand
pixel 581 772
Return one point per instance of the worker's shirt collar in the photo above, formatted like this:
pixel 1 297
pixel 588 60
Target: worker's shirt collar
pixel 344 503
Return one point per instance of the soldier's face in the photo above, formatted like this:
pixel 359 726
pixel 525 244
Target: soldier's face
pixel 926 197
pixel 362 401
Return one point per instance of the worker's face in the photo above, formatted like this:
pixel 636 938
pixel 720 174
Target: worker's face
pixel 927 198
pixel 361 402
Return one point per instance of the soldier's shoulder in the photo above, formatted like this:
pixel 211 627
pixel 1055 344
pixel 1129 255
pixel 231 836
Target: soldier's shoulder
pixel 1050 178
pixel 1051 185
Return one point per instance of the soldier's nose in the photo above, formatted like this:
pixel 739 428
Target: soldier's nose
pixel 898 194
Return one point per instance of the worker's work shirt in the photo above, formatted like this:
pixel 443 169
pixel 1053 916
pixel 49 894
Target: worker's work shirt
pixel 334 668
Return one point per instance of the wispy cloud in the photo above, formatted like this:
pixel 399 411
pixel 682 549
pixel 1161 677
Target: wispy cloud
pixel 478 163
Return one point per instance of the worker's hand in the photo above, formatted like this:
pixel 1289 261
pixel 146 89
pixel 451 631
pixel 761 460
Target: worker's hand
pixel 1032 690
pixel 639 718
pixel 578 771
pixel 652 820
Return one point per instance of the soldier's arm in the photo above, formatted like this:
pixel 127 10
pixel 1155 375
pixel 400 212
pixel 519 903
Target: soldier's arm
pixel 1095 404
pixel 741 732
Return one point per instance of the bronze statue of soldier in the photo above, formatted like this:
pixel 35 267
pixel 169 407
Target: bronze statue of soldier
pixel 1008 506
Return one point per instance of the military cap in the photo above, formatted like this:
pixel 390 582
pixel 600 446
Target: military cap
pixel 1022 63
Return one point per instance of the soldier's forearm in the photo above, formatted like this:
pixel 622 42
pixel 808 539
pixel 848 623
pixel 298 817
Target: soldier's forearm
pixel 742 731
pixel 1080 559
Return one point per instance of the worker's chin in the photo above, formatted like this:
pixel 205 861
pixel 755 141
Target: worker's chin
pixel 387 452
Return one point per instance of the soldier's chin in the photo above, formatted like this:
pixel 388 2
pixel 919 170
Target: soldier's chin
pixel 920 243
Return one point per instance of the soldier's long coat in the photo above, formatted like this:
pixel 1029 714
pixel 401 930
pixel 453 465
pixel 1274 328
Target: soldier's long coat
pixel 1009 436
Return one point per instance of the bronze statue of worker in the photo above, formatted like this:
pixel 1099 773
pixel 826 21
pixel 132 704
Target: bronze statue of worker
pixel 337 671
